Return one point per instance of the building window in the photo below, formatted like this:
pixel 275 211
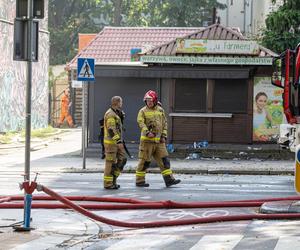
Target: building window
pixel 230 96
pixel 190 95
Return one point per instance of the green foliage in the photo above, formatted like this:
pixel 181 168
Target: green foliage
pixel 6 138
pixel 42 133
pixel 10 137
pixel 168 13
pixel 135 13
pixel 283 27
pixel 67 18
pixel 182 13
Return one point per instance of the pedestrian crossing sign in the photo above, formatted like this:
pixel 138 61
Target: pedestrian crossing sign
pixel 86 69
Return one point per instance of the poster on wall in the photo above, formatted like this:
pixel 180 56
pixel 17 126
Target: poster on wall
pixel 267 110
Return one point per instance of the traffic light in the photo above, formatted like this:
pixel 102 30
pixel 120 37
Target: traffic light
pixel 22 24
pixel 22 9
pixel 21 40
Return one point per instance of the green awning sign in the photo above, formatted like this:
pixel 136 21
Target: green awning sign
pixel 212 60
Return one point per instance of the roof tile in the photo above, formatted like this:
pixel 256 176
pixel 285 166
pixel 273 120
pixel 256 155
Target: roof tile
pixel 113 44
pixel 215 31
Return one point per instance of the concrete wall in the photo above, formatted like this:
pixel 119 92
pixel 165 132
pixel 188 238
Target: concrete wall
pixel 13 75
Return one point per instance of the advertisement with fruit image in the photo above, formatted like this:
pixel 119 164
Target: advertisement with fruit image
pixel 267 110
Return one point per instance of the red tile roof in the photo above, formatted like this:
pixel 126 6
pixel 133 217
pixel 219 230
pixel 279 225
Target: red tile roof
pixel 215 32
pixel 113 44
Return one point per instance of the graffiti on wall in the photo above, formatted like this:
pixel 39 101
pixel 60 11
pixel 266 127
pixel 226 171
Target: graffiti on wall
pixel 13 75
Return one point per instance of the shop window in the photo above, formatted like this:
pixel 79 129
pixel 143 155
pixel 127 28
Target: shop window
pixel 190 95
pixel 230 96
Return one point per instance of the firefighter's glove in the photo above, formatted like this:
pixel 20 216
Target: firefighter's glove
pixel 163 139
pixel 120 146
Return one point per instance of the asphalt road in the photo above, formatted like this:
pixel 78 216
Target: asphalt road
pixel 65 229
pixel 240 235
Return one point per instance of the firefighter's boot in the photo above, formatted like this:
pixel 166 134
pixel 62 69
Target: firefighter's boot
pixel 115 182
pixel 115 173
pixel 142 184
pixel 170 181
pixel 113 186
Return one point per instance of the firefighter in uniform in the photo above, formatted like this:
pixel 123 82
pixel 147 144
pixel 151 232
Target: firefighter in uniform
pixel 152 122
pixel 115 158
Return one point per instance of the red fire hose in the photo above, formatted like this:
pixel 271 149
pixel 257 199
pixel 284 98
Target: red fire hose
pixel 5 199
pixel 165 223
pixel 134 203
pixel 139 204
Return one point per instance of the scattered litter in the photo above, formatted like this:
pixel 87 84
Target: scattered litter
pixel 256 148
pixel 170 148
pixel 193 156
pixel 256 159
pixel 200 144
pixel 243 153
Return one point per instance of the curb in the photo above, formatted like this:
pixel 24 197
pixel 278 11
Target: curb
pixel 193 171
pixel 276 207
pixel 217 153
pixel 264 154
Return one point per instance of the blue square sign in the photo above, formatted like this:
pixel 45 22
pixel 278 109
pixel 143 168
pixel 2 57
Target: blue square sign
pixel 86 69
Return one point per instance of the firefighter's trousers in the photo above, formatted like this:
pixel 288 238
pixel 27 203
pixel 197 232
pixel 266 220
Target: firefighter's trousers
pixel 158 151
pixel 115 160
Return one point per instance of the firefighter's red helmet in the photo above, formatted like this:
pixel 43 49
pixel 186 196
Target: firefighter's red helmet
pixel 151 95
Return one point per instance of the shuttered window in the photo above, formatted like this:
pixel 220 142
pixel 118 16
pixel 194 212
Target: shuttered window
pixel 190 95
pixel 230 95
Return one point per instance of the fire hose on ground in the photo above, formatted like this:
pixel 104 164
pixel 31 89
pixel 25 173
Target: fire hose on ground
pixel 67 202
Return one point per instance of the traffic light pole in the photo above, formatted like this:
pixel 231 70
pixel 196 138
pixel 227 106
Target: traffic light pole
pixel 28 197
pixel 28 92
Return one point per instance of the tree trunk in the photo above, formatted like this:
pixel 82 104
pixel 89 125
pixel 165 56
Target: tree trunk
pixel 117 12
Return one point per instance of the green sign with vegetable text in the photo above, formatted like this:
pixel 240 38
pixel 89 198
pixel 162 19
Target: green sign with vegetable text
pixel 207 60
